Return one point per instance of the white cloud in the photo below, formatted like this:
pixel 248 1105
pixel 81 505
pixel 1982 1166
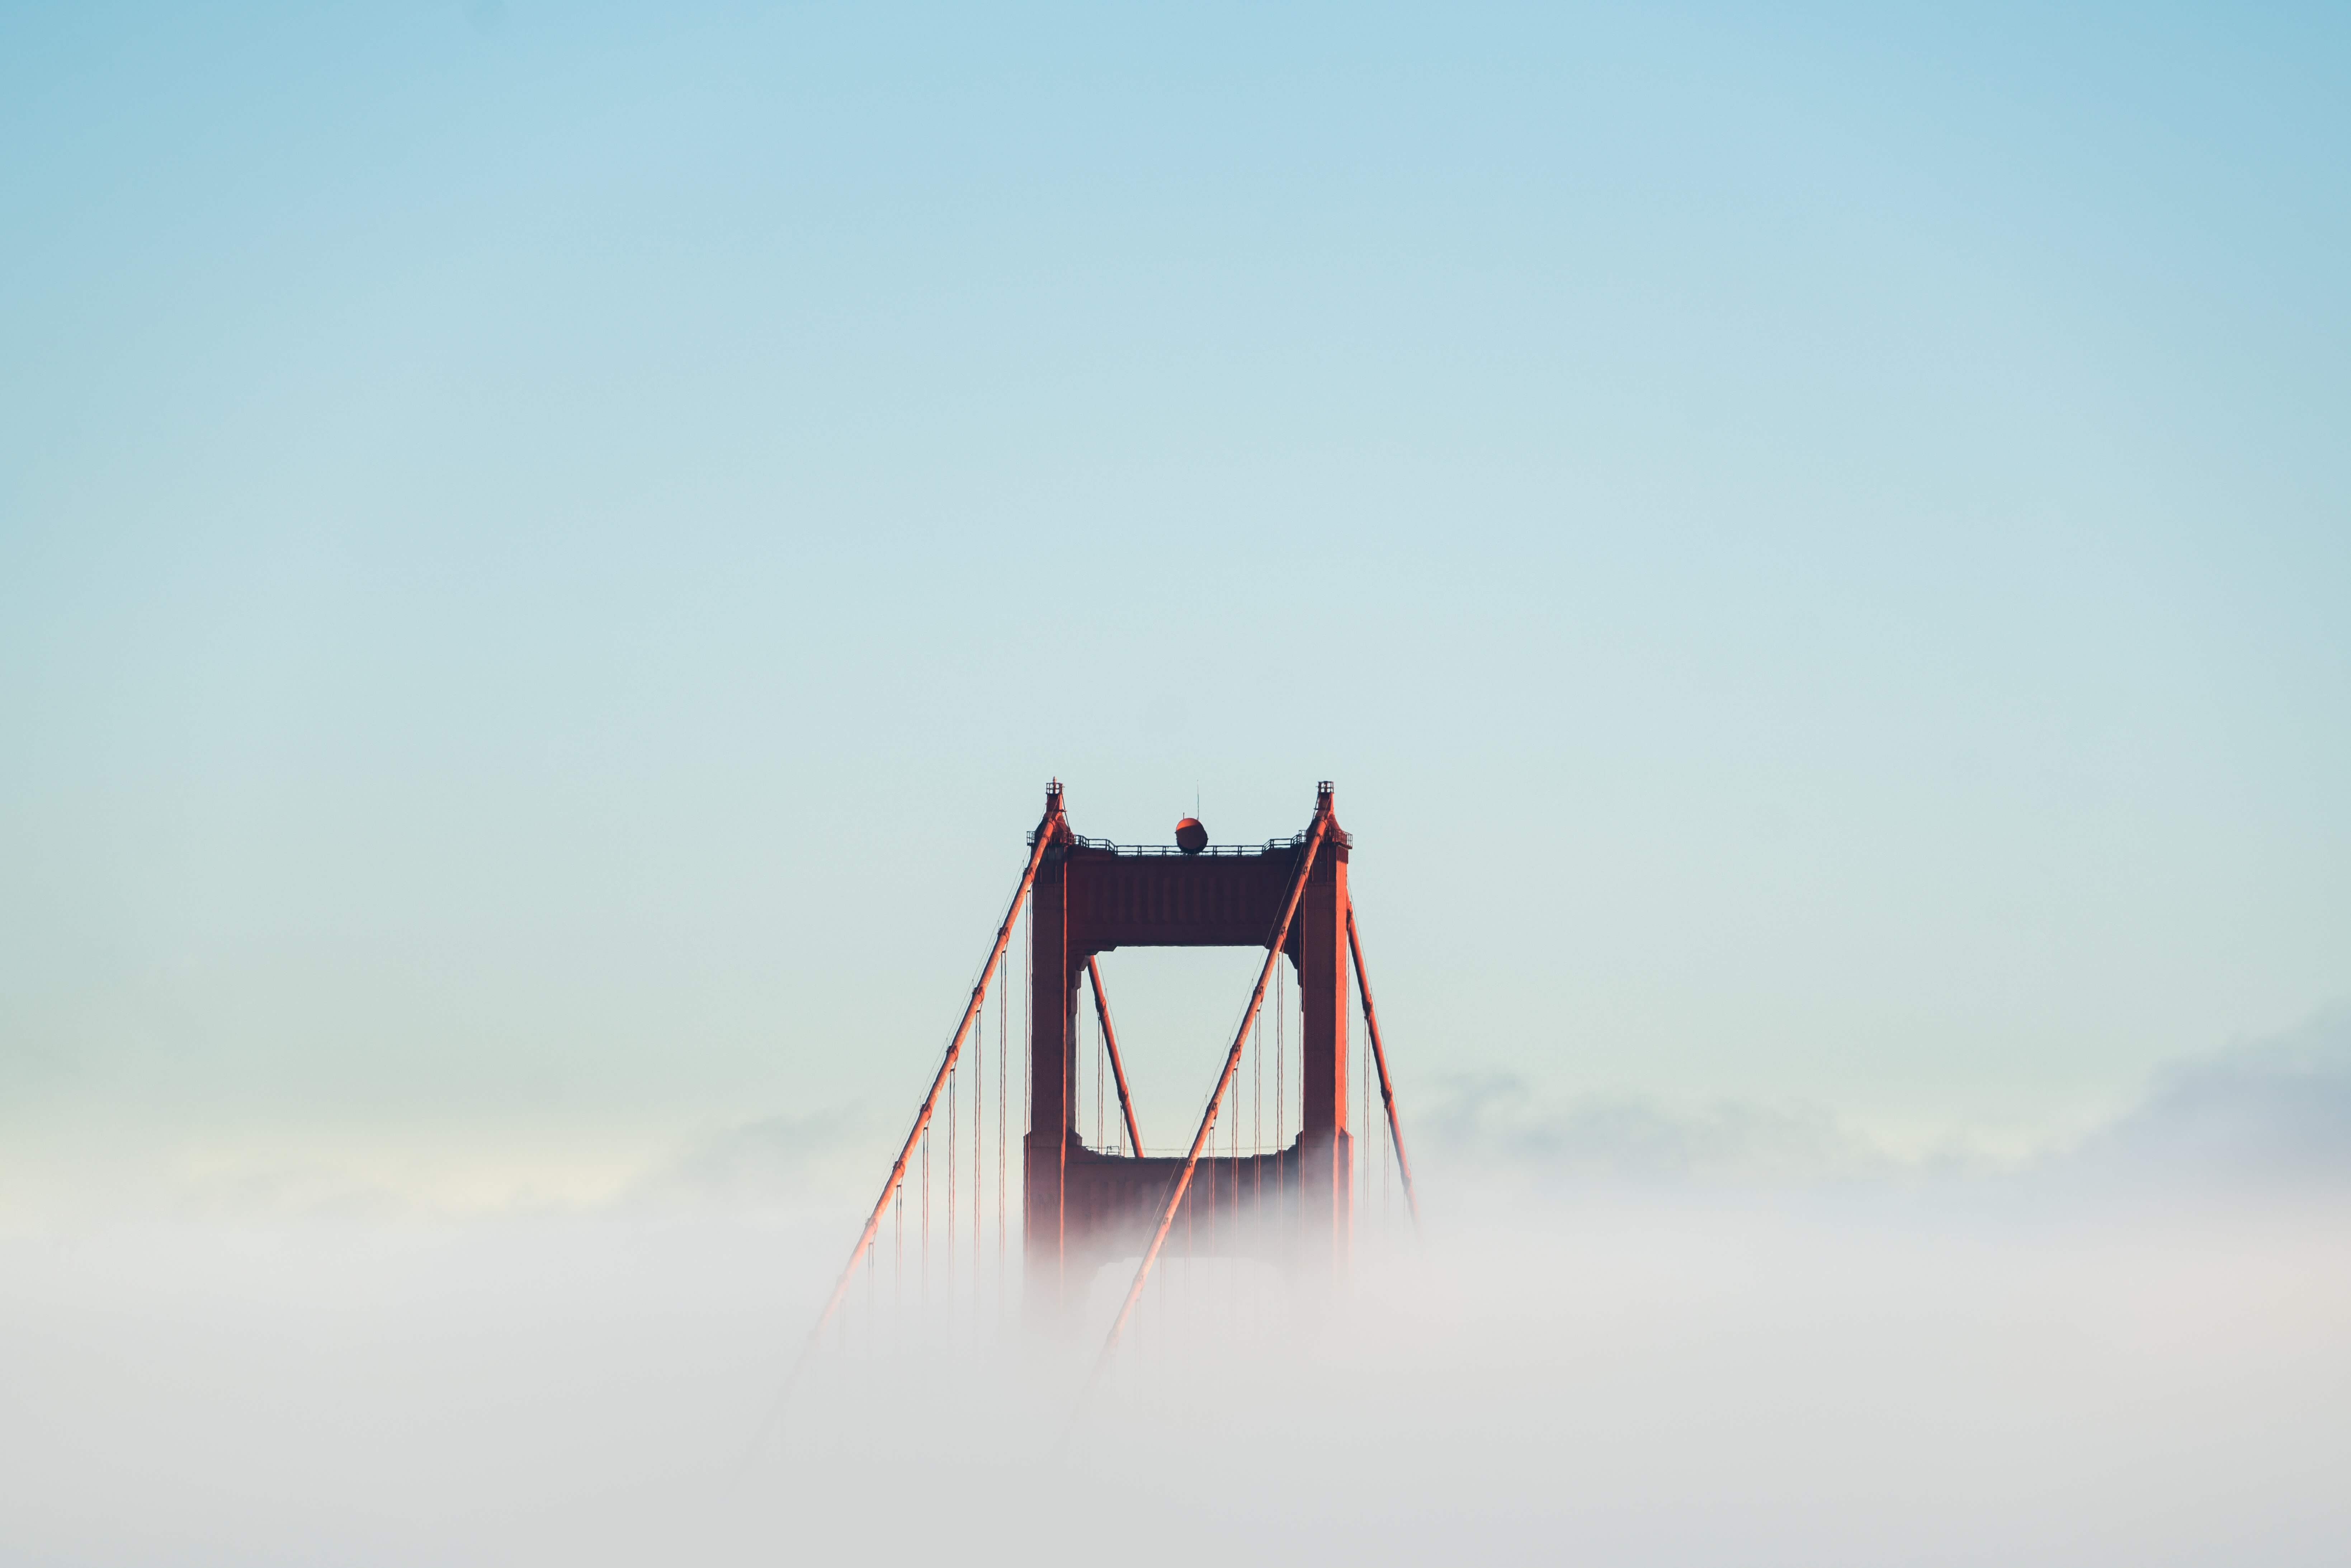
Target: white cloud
pixel 1502 1124
pixel 2274 1112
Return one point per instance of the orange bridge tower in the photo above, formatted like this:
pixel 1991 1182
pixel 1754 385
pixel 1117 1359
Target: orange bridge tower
pixel 1085 1207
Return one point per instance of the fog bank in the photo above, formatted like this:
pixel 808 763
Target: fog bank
pixel 2135 1351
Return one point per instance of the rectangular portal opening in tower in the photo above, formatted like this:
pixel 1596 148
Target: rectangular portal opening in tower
pixel 1173 1011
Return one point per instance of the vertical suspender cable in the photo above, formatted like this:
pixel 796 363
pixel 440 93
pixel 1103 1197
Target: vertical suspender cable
pixel 1234 1276
pixel 1232 1060
pixel 1235 1140
pixel 1282 1094
pixel 1363 1060
pixel 1005 1054
pixel 1281 1099
pixel 1386 1198
pixel 1029 1038
pixel 951 1200
pixel 923 1117
pixel 1028 1064
pixel 978 1138
pixel 1110 1049
pixel 1380 1058
pixel 1003 1077
pixel 1256 1089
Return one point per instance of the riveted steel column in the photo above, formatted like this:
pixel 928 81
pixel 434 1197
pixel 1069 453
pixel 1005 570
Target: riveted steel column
pixel 1051 1041
pixel 1319 943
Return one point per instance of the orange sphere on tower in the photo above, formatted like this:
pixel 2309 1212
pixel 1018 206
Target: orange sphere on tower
pixel 1190 837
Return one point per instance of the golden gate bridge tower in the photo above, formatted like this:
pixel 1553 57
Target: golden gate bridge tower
pixel 1081 1204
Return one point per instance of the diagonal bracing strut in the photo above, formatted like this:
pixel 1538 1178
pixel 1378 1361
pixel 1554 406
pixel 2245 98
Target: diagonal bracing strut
pixel 1232 1061
pixel 1380 1058
pixel 1109 1045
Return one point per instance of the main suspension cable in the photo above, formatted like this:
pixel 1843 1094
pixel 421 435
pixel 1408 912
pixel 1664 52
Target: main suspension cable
pixel 1380 1060
pixel 1224 1079
pixel 1043 838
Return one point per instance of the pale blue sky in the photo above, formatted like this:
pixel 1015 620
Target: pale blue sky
pixel 546 554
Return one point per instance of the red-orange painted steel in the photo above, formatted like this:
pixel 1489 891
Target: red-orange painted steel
pixel 1110 1048
pixel 1052 1066
pixel 938 1081
pixel 1084 1207
pixel 1326 1149
pixel 1380 1060
pixel 1216 1099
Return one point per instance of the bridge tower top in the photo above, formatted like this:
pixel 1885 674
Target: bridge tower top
pixel 1084 1206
